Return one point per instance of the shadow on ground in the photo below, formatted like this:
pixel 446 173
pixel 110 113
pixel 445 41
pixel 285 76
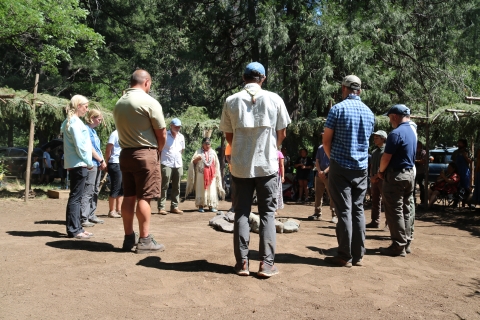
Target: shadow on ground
pixel 461 218
pixel 59 222
pixel 85 245
pixel 39 233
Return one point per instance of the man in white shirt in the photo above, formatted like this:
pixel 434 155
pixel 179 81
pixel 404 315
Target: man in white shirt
pixel 254 122
pixel 172 167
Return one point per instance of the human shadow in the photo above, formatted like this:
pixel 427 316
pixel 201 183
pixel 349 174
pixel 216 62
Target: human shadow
pixel 59 222
pixel 38 233
pixel 326 252
pixel 85 245
pixel 185 266
pixel 377 237
pixel 327 235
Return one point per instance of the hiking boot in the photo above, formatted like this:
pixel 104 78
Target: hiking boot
pixel 408 249
pixel 176 210
pixel 315 216
pixel 162 211
pixel 242 268
pixel 130 241
pixel 266 270
pixel 114 214
pixel 97 221
pixel 393 251
pixel 87 224
pixel 338 262
pixel 148 244
pixel 372 225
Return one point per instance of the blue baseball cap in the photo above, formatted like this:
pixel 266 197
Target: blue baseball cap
pixel 400 109
pixel 176 122
pixel 254 66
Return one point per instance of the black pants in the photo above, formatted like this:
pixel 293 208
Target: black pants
pixel 419 178
pixel 78 177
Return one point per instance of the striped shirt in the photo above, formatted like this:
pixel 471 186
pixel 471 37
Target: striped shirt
pixel 352 122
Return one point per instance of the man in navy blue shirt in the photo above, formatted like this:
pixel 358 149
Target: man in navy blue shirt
pixel 397 171
pixel 345 141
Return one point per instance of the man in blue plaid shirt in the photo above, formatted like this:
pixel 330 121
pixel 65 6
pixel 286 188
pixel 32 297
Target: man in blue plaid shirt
pixel 345 141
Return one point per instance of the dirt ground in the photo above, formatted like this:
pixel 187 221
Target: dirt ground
pixel 48 276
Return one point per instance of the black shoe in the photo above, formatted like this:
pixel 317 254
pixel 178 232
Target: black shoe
pixel 130 241
pixel 372 225
pixel 393 251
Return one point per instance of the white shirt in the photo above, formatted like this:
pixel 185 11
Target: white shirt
pixel 254 127
pixel 172 151
pixel 46 156
pixel 113 139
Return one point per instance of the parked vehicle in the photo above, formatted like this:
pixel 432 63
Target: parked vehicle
pixel 442 156
pixel 15 160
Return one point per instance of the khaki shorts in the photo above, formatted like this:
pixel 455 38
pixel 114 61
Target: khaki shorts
pixel 141 172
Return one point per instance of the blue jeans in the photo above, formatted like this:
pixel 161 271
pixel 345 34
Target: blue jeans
pixel 78 176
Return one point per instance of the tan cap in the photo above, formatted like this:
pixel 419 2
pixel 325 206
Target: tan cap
pixel 352 82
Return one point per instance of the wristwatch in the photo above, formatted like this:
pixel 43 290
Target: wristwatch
pixel 102 161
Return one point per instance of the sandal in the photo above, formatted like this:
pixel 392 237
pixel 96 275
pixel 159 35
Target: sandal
pixel 88 233
pixel 82 236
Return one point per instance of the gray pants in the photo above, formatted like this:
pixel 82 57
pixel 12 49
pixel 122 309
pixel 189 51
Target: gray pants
pixel 90 195
pixel 397 192
pixel 175 175
pixel 347 189
pixel 266 188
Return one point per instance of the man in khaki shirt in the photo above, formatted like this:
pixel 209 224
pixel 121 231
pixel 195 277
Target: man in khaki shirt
pixel 142 133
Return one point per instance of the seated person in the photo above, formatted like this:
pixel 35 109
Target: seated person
pixel 446 184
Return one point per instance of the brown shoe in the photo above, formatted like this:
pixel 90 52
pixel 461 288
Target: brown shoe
pixel 176 210
pixel 338 262
pixel 162 212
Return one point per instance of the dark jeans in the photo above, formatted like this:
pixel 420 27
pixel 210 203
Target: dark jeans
pixel 78 176
pixel 347 189
pixel 266 188
pixel 420 180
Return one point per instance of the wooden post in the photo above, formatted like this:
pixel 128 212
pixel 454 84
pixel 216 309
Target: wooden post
pixel 427 149
pixel 30 139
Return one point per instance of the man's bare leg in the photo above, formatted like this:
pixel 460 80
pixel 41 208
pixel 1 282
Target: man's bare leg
pixel 144 212
pixel 119 204
pixel 128 208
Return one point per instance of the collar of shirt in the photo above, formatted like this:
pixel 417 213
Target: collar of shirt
pixel 353 96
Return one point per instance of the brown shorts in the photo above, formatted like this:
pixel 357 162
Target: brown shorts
pixel 141 172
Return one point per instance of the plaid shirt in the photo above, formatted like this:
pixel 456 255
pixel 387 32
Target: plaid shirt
pixel 352 122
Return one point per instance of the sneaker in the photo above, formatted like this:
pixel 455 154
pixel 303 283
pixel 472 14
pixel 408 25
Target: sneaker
pixel 393 251
pixel 242 268
pixel 130 241
pixel 176 210
pixel 338 262
pixel 372 225
pixel 213 210
pixel 334 220
pixel 408 249
pixel 162 212
pixel 266 270
pixel 97 221
pixel 315 216
pixel 201 210
pixel 87 224
pixel 299 201
pixel 114 214
pixel 358 263
pixel 148 244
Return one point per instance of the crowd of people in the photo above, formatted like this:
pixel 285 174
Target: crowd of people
pixel 143 158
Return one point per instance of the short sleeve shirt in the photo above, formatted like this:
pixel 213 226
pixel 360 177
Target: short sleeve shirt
pixel 322 158
pixel 172 151
pixel 95 140
pixel 114 156
pixel 376 156
pixel 352 122
pixel 136 116
pixel 47 158
pixel 254 127
pixel 402 145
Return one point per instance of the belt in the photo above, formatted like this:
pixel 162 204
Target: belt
pixel 139 148
pixel 401 170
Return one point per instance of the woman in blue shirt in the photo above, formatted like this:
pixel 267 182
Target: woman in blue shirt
pixel 77 160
